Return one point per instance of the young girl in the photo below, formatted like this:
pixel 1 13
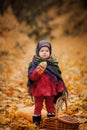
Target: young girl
pixel 45 81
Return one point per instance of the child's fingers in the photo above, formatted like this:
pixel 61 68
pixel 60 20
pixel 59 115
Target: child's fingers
pixel 41 67
pixel 43 64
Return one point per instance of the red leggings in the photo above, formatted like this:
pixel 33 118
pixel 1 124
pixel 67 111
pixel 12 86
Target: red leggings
pixel 39 104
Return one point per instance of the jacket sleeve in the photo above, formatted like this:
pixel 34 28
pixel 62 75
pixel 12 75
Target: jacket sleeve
pixel 34 75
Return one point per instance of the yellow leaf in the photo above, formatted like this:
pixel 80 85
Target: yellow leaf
pixel 70 87
pixel 74 108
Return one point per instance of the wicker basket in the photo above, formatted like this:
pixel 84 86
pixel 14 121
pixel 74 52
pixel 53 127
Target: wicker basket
pixel 63 122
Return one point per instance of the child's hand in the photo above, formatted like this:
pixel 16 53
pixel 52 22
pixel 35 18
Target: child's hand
pixel 41 67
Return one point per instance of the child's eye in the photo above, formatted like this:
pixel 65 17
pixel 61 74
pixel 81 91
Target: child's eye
pixel 44 51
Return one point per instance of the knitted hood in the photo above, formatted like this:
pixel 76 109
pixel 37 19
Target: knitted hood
pixel 43 43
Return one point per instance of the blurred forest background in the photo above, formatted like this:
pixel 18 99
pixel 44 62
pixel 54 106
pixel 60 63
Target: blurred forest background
pixel 22 24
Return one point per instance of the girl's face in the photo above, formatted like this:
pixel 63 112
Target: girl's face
pixel 44 52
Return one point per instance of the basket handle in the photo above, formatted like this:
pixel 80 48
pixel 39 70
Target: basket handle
pixel 57 104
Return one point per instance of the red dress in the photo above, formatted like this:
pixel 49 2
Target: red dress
pixel 43 84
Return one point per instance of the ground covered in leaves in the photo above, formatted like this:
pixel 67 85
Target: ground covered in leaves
pixel 16 51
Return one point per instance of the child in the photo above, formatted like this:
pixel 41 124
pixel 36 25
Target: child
pixel 45 81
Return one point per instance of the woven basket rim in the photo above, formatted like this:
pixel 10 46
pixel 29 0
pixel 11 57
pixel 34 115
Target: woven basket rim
pixel 72 121
pixel 60 118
